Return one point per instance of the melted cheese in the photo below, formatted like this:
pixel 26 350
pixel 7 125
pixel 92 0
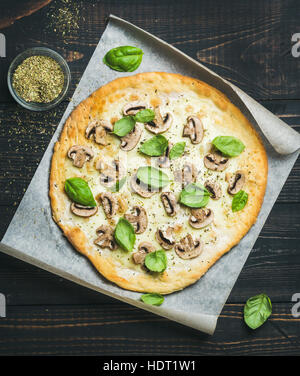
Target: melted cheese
pixel 181 106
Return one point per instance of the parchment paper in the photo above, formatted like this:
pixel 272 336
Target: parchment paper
pixel 33 236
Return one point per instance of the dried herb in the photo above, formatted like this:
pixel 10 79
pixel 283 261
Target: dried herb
pixel 38 79
pixel 63 18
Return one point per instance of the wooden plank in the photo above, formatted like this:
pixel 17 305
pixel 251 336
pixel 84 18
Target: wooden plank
pixel 273 267
pixel 123 330
pixel 13 10
pixel 252 51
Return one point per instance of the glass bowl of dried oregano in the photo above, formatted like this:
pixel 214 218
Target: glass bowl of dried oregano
pixel 39 78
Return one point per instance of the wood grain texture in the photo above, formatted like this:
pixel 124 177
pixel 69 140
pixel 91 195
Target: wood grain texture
pixel 13 10
pixel 121 330
pixel 247 42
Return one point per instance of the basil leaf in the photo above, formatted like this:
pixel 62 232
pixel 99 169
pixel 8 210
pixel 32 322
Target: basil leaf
pixel 228 145
pixel 194 196
pixel 144 116
pixel 239 201
pixel 123 126
pixel 177 150
pixel 156 261
pixel 257 310
pixel 79 191
pixel 119 185
pixel 155 147
pixel 124 234
pixel 152 177
pixel 123 58
pixel 153 299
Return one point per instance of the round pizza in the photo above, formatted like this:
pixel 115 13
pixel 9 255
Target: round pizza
pixel 155 177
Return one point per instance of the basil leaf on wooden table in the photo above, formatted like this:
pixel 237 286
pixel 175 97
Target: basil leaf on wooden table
pixel 177 150
pixel 194 196
pixel 144 116
pixel 228 145
pixel 123 126
pixel 156 261
pixel 123 58
pixel 152 177
pixel 239 201
pixel 153 299
pixel 79 191
pixel 118 186
pixel 155 147
pixel 124 234
pixel 257 310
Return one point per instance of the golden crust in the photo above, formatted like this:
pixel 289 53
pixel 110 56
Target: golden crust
pixel 73 133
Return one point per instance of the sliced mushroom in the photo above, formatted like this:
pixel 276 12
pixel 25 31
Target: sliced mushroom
pixel 97 130
pixel 165 238
pixel 187 248
pixel 216 162
pixel 170 204
pixel 188 174
pixel 141 189
pixel 201 217
pixel 130 141
pixel 143 250
pixel 110 173
pixel 139 219
pixel 83 211
pixel 105 237
pixel 80 154
pixel 133 108
pixel 160 124
pixel 236 182
pixel 164 160
pixel 214 189
pixel 109 203
pixel 193 129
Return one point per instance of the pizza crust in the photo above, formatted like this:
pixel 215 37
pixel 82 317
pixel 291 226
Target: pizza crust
pixel 159 88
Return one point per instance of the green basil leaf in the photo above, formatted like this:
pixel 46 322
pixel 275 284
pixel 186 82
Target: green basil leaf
pixel 177 150
pixel 123 58
pixel 123 126
pixel 155 147
pixel 257 310
pixel 124 234
pixel 144 116
pixel 152 177
pixel 239 201
pixel 119 185
pixel 156 261
pixel 79 191
pixel 228 145
pixel 194 196
pixel 153 299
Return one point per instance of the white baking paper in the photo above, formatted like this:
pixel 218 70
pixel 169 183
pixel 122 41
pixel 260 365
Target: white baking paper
pixel 33 236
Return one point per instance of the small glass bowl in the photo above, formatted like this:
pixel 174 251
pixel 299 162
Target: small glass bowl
pixel 38 51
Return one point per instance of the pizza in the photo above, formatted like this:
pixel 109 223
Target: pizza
pixel 155 176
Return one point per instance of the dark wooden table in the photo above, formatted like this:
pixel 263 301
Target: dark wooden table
pixel 248 43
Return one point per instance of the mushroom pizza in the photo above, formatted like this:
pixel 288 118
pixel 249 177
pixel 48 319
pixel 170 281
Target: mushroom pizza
pixel 156 176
